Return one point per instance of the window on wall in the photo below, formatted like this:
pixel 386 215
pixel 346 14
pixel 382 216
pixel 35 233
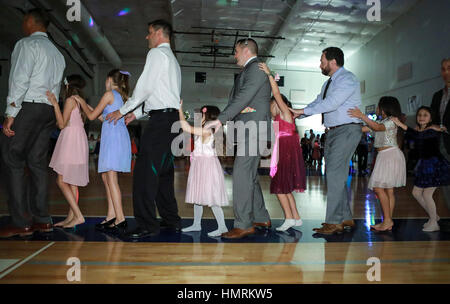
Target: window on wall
pixel 200 77
pixel 281 81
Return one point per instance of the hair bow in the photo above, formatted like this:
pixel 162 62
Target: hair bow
pixel 125 73
pixel 275 76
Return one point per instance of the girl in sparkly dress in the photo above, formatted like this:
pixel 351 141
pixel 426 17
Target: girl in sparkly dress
pixel 206 183
pixel 287 167
pixel 390 167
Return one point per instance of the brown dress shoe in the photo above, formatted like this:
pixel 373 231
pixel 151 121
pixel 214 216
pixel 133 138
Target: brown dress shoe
pixel 348 224
pixel 237 233
pixel 330 229
pixel 42 227
pixel 267 224
pixel 11 231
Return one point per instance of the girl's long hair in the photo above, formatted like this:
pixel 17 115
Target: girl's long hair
pixel 75 86
pixel 121 81
pixel 390 106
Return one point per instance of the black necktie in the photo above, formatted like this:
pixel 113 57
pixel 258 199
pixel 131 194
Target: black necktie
pixel 325 95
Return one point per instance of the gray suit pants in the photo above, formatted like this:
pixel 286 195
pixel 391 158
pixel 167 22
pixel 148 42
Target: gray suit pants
pixel 340 144
pixel 248 200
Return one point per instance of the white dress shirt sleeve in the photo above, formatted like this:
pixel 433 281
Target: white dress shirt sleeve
pixel 22 64
pixel 145 84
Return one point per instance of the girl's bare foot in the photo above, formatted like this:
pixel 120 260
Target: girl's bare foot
pixel 75 221
pixel 64 222
pixel 108 218
pixel 375 226
pixel 385 226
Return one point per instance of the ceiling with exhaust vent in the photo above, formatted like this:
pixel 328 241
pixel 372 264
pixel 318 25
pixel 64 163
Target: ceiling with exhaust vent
pixel 290 33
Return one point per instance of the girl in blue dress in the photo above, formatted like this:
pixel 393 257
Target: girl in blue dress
pixel 115 147
pixel 432 169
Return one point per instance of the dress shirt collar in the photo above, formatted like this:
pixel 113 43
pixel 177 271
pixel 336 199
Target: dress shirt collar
pixel 336 73
pixel 39 34
pixel 249 60
pixel 164 44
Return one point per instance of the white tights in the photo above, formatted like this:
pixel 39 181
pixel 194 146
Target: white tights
pixel 218 214
pixel 425 198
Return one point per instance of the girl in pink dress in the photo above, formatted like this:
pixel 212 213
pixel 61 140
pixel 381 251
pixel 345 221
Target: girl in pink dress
pixel 206 184
pixel 71 154
pixel 287 167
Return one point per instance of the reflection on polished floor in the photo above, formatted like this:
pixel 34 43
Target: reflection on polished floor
pixel 407 254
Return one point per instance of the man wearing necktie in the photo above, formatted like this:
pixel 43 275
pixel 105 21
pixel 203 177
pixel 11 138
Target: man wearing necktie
pixel 340 93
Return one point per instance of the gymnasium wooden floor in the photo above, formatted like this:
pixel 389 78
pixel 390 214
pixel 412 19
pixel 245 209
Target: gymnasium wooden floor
pixel 407 255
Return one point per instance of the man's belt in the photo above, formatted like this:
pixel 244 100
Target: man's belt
pixel 352 123
pixel 166 110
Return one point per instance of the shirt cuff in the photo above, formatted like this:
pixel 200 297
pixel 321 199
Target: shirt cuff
pixel 138 113
pixel 307 111
pixel 12 111
pixel 123 110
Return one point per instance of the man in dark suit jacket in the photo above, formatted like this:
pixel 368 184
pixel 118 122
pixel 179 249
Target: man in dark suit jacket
pixel 440 107
pixel 249 108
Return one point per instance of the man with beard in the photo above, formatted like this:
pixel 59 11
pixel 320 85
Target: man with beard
pixel 339 94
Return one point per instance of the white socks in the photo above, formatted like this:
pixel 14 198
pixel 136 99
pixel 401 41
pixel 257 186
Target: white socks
pixel 196 226
pixel 218 214
pixel 298 223
pixel 288 223
pixel 222 228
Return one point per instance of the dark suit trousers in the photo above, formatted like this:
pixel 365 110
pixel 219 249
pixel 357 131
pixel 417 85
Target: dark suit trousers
pixel 153 176
pixel 28 148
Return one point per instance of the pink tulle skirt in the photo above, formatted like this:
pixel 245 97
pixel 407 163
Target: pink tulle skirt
pixel 389 170
pixel 206 183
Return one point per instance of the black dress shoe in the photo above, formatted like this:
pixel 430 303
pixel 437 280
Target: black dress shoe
pixel 106 224
pixel 120 228
pixel 139 233
pixel 164 225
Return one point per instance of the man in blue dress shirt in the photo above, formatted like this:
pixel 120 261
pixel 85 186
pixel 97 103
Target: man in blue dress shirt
pixel 339 94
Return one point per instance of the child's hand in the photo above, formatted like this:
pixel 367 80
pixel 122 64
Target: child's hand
pixel 263 67
pixel 395 120
pixel 355 113
pixel 437 128
pixel 79 99
pixel 51 97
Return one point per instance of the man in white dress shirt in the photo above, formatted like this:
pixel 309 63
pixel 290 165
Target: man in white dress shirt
pixel 157 94
pixel 36 67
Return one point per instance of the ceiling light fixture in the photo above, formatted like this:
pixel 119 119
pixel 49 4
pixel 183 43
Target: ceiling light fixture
pixel 124 12
pixel 179 12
